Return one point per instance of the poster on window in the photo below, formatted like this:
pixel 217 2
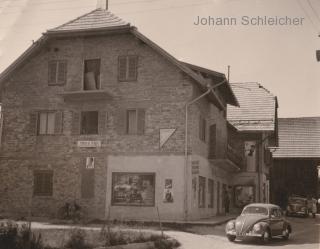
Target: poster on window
pixel 133 189
pixel 168 192
pixel 244 195
pixel 90 163
pixel 250 153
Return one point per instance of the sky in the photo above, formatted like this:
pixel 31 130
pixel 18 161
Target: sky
pixel 282 58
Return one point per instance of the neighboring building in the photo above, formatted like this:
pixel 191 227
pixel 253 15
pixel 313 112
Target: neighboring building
pixel 296 159
pixel 94 112
pixel 255 122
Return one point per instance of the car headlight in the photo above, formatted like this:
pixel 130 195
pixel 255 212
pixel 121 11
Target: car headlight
pixel 257 227
pixel 230 225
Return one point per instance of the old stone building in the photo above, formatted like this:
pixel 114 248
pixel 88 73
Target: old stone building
pixel 94 112
pixel 255 130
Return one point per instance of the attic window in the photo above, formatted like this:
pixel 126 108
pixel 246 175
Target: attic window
pixel 91 74
pixel 57 72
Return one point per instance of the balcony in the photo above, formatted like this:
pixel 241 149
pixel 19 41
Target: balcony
pixel 86 95
pixel 230 159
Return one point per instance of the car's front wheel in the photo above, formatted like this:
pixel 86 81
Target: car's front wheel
pixel 231 238
pixel 266 236
pixel 286 234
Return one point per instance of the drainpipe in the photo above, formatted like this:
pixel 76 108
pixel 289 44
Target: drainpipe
pixel 186 145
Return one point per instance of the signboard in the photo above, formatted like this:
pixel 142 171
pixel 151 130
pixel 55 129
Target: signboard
pixel 165 134
pixel 89 144
pixel 168 193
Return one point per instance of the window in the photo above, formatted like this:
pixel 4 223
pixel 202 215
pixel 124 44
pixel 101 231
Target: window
pixel 210 192
pixel 212 141
pixel 42 183
pixel 244 195
pixel 135 121
pixel 91 74
pixel 202 192
pixel 89 122
pixel 202 129
pixel 127 68
pixel 57 72
pixel 49 123
pixel 133 189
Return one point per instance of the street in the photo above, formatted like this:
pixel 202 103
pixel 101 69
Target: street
pixel 306 235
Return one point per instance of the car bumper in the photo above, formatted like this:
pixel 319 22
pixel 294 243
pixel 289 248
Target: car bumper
pixel 243 235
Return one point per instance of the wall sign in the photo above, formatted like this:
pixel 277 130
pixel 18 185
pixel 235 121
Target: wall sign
pixel 89 144
pixel 165 134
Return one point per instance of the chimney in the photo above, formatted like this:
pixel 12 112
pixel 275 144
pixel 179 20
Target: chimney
pixel 102 4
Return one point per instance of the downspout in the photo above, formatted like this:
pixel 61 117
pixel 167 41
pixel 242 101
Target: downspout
pixel 186 145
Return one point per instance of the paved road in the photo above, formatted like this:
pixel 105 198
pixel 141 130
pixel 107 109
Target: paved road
pixel 306 235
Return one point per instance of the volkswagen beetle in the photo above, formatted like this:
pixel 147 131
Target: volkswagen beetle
pixel 259 220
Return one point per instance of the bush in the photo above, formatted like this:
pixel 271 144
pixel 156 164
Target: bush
pixel 14 237
pixel 166 244
pixel 77 240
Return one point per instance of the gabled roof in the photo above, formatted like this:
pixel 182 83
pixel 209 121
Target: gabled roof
pixel 298 138
pixel 101 21
pixel 257 111
pixel 96 19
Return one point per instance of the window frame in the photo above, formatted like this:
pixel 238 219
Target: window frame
pixel 97 84
pixel 127 68
pixel 42 174
pixel 127 121
pixel 39 123
pixel 57 68
pixel 81 126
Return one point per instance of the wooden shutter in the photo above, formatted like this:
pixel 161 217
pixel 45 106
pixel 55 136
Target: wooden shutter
pixel 52 72
pixel 200 128
pixel 75 129
pixel 212 141
pixel 122 68
pixel 58 122
pixel 62 72
pixel 102 121
pixel 121 121
pixel 132 67
pixel 32 127
pixel 141 121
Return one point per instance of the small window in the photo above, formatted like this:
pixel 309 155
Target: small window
pixel 89 122
pixel 210 192
pixel 42 182
pixel 202 129
pixel 57 72
pixel 91 74
pixel 127 68
pixel 49 123
pixel 135 121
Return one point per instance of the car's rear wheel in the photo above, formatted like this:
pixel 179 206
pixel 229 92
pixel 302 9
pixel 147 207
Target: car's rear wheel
pixel 286 234
pixel 231 238
pixel 266 236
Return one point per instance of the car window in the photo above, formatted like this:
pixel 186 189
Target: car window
pixel 255 210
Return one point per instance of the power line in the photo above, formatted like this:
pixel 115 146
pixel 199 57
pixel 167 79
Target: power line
pixel 308 16
pixel 314 11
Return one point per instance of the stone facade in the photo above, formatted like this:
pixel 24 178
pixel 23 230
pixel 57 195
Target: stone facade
pixel 161 90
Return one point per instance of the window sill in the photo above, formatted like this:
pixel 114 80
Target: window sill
pixel 86 95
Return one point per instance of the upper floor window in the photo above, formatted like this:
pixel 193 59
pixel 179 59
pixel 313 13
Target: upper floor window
pixel 89 122
pixel 135 121
pixel 49 122
pixel 91 74
pixel 202 129
pixel 57 72
pixel 127 68
pixel 42 182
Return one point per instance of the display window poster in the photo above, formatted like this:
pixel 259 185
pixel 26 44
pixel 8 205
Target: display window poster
pixel 133 189
pixel 244 195
pixel 168 191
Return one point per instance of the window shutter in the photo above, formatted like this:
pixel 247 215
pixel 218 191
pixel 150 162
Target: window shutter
pixel 122 121
pixel 52 72
pixel 204 130
pixel 122 68
pixel 33 124
pixel 200 128
pixel 58 122
pixel 141 121
pixel 132 67
pixel 102 122
pixel 62 72
pixel 75 129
